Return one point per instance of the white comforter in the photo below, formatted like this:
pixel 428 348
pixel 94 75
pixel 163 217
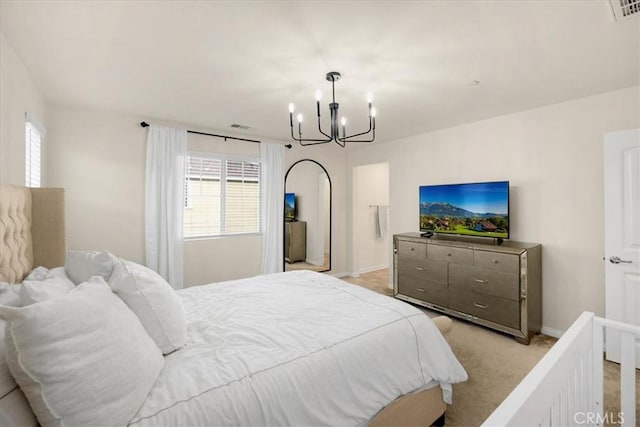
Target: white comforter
pixel 297 348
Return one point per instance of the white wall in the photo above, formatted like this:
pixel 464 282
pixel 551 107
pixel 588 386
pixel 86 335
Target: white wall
pixel 99 159
pixel 552 157
pixel 370 188
pixel 18 95
pixel 220 259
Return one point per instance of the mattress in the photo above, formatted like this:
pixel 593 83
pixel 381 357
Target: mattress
pixel 296 348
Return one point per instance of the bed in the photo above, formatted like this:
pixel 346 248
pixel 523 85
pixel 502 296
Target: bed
pixel 296 348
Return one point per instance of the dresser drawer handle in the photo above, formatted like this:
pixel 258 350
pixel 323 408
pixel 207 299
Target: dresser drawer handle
pixel 448 254
pixel 480 281
pixel 420 289
pixel 495 261
pixel 420 268
pixel 484 307
pixel 413 249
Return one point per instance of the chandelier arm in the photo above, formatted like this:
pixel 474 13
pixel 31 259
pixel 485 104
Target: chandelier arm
pixel 373 137
pixel 371 127
pixel 320 129
pixel 319 141
pixel 300 140
pixel 355 135
pixel 359 140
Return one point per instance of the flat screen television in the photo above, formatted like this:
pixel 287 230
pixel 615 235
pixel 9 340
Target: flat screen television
pixel 290 211
pixel 475 209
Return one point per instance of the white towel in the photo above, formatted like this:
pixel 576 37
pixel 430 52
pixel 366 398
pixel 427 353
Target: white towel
pixel 381 220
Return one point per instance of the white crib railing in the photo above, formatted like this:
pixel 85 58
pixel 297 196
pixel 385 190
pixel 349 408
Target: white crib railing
pixel 565 387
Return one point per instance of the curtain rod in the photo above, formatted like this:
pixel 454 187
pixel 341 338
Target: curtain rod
pixel 145 124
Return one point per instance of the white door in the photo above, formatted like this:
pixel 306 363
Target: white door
pixel 622 233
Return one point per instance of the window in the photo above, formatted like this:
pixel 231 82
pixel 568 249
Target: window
pixel 33 147
pixel 222 195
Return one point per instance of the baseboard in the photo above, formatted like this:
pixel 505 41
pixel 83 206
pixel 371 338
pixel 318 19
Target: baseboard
pixel 556 333
pixel 373 268
pixel 341 275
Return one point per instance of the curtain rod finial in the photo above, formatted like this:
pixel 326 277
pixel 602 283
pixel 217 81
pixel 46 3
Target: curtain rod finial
pixel 144 124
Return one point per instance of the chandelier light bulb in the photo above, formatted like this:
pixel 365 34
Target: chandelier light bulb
pixel 373 112
pixel 318 95
pixel 300 118
pixel 291 108
pixel 369 97
pixel 344 121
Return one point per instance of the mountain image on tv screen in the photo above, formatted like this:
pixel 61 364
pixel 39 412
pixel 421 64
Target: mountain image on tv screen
pixel 476 209
pixel 290 206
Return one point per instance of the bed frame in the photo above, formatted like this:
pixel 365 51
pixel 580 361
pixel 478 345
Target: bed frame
pixel 32 233
pixel 29 215
pixel 566 386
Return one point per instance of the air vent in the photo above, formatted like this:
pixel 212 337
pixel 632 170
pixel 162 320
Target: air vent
pixel 624 8
pixel 237 126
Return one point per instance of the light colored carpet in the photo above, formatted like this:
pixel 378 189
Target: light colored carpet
pixel 495 362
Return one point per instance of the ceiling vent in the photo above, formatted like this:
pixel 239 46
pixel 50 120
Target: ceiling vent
pixel 624 8
pixel 244 127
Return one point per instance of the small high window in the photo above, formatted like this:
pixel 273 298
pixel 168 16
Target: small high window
pixel 34 133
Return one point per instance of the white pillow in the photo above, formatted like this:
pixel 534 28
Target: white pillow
pixel 81 359
pixel 54 284
pixel 38 273
pixel 82 265
pixel 10 294
pixel 7 383
pixel 15 410
pixel 154 301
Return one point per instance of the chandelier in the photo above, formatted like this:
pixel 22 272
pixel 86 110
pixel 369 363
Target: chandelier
pixel 334 133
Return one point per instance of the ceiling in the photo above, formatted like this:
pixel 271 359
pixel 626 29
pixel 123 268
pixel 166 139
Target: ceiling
pixel 210 64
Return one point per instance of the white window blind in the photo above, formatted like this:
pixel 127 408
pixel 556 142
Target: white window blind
pixel 222 196
pixel 33 148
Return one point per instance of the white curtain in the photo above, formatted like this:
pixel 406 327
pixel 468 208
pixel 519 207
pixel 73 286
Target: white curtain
pixel 272 214
pixel 164 202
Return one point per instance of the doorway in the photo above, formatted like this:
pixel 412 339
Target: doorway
pixel 371 241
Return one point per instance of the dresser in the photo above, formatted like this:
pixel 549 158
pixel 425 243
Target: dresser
pixel 498 286
pixel 295 241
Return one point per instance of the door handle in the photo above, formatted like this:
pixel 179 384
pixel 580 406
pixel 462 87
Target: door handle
pixel 480 281
pixel 482 306
pixel 618 260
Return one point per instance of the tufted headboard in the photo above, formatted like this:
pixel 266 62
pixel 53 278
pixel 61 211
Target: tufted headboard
pixel 32 231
